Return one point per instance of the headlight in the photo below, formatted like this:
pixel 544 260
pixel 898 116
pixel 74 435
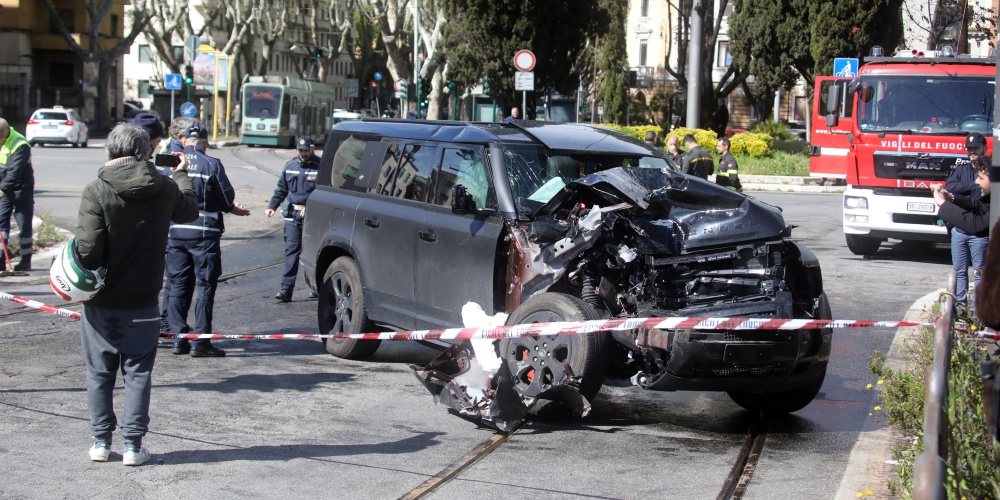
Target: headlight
pixel 859 219
pixel 856 202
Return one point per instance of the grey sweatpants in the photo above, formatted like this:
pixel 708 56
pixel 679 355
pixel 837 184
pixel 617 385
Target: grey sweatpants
pixel 125 340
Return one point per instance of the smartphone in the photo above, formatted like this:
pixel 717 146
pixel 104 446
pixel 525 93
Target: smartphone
pixel 163 160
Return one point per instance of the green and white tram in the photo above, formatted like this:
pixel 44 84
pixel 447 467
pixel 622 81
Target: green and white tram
pixel 277 109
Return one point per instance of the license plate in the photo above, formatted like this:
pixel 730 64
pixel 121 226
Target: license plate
pixel 50 126
pixel 916 206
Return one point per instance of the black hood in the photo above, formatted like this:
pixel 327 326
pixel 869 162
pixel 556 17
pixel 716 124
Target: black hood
pixel 671 206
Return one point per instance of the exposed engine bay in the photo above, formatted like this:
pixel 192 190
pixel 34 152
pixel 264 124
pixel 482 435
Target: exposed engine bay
pixel 643 242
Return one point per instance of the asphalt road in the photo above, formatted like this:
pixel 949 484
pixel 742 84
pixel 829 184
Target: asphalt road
pixel 283 418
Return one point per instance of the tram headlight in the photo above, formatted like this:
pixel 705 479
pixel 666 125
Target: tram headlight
pixel 856 202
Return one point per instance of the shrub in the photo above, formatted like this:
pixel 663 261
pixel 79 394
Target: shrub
pixel 637 131
pixel 972 466
pixel 774 129
pixel 754 145
pixel 706 138
pixel 45 236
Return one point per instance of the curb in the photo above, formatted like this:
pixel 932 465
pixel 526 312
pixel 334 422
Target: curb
pixel 866 465
pixel 41 260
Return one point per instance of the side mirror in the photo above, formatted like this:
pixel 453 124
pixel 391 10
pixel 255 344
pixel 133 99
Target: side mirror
pixel 833 106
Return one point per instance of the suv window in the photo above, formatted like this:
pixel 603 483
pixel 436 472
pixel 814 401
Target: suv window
pixel 465 167
pixel 387 172
pixel 415 169
pixel 346 162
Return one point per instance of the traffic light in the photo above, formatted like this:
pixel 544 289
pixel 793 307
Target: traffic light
pixel 319 53
pixel 189 74
pixel 425 91
pixel 407 89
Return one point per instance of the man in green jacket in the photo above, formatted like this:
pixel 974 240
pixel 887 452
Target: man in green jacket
pixel 17 191
pixel 123 221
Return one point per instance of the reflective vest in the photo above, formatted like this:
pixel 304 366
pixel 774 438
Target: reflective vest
pixel 14 142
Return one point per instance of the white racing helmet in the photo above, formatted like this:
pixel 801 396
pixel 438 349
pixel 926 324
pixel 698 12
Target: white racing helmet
pixel 70 279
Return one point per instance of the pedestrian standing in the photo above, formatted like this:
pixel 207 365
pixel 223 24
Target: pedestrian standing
pixel 720 119
pixel 237 115
pixel 122 225
pixel 194 251
pixel 152 125
pixel 651 138
pixel 513 115
pixel 697 161
pixel 297 181
pixel 674 155
pixel 967 249
pixel 728 173
pixel 178 128
pixel 17 191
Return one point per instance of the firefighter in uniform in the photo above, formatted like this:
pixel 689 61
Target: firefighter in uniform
pixel 17 191
pixel 298 179
pixel 697 161
pixel 728 173
pixel 194 253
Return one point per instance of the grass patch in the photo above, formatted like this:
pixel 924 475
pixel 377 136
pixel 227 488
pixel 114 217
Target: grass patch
pixel 46 235
pixel 780 163
pixel 971 456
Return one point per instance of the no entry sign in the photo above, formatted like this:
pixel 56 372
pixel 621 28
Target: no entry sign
pixel 524 60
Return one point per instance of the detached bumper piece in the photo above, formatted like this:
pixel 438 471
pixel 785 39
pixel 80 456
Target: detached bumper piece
pixel 457 380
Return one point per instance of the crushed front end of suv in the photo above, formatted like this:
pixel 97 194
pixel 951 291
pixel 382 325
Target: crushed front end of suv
pixel 536 223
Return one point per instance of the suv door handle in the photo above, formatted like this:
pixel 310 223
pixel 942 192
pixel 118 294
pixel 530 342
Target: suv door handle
pixel 371 222
pixel 428 236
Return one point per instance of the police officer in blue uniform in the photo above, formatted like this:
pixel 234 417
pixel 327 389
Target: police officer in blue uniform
pixel 298 179
pixel 194 253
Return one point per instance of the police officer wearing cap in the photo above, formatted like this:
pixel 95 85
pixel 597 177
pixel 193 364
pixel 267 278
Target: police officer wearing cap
pixel 297 181
pixel 194 253
pixel 967 249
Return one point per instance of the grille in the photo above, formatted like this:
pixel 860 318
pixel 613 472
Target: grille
pixel 930 220
pixel 753 369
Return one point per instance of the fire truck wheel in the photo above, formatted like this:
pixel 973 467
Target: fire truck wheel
pixel 863 245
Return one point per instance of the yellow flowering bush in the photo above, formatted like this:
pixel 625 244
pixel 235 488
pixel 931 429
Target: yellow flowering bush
pixel 638 131
pixel 706 138
pixel 751 144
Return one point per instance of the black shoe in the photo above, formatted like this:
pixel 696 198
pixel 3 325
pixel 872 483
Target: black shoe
pixel 284 296
pixel 209 351
pixel 24 265
pixel 182 347
pixel 313 295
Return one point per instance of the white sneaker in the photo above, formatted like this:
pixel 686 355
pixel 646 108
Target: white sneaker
pixel 135 456
pixel 100 451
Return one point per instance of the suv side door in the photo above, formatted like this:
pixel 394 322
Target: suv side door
pixel 385 234
pixel 456 253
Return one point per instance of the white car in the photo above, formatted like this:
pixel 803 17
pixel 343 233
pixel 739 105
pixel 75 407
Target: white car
pixel 56 125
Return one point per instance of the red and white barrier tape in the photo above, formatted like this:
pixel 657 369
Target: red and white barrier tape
pixel 533 329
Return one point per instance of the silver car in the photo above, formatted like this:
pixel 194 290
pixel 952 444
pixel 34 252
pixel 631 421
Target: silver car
pixel 56 125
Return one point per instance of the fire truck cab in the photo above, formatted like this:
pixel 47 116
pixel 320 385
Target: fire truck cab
pixel 893 132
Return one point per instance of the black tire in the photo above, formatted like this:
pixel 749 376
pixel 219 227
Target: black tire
pixel 786 401
pixel 863 245
pixel 341 309
pixel 586 354
pixel 779 402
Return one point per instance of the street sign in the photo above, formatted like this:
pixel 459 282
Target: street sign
pixel 378 76
pixel 524 80
pixel 845 66
pixel 351 87
pixel 191 47
pixel 399 84
pixel 172 82
pixel 600 110
pixel 524 60
pixel 189 110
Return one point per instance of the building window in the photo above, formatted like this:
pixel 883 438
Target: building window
pixel 143 89
pixel 144 54
pixel 722 56
pixel 61 74
pixel 643 51
pixel 68 18
pixel 114 26
pixel 644 8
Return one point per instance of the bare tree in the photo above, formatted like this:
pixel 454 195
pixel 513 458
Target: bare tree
pixel 97 12
pixel 268 26
pixel 170 24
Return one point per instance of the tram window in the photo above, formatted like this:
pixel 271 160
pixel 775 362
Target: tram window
pixel 285 109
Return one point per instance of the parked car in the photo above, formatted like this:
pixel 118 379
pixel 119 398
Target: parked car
pixel 56 125
pixel 412 220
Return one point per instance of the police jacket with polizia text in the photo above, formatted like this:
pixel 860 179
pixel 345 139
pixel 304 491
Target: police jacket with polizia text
pixel 215 196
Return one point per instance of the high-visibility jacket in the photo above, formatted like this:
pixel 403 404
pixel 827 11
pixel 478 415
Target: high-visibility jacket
pixel 728 173
pixel 15 163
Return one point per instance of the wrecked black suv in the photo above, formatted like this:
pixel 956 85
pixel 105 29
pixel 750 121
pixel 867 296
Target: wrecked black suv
pixel 412 220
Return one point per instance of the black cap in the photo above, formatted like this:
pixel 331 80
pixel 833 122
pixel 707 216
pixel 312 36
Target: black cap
pixel 975 139
pixel 305 142
pixel 150 123
pixel 196 131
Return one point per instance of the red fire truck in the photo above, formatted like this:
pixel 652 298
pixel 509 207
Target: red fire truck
pixel 893 132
